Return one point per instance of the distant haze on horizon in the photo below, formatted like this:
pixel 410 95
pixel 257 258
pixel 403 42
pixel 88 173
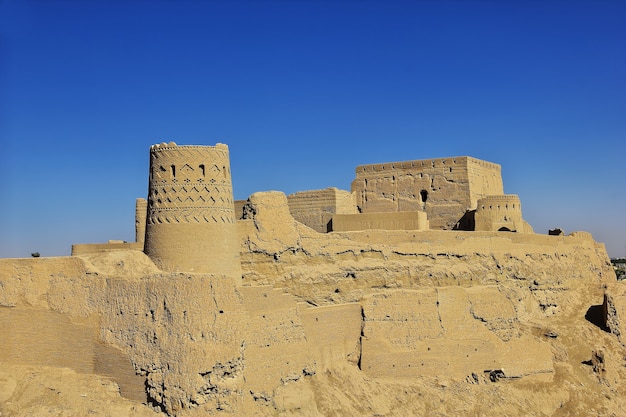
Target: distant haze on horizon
pixel 303 92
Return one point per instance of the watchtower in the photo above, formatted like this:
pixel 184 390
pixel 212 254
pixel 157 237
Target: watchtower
pixel 190 225
pixel 499 213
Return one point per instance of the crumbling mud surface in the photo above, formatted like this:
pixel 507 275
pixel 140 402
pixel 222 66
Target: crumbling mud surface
pixel 261 315
pixel 386 323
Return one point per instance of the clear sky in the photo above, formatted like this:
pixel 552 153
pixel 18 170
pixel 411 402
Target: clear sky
pixel 303 92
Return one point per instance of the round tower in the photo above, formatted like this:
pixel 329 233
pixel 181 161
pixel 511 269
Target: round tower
pixel 499 213
pixel 190 223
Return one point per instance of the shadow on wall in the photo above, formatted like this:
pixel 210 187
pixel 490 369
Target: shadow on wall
pixel 48 338
pixel 466 222
pixel 596 315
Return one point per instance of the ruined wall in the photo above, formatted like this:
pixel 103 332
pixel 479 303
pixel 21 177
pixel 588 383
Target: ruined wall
pixel 198 343
pixel 461 306
pixel 339 267
pixel 191 215
pixel 372 314
pixel 444 188
pixel 239 204
pixel 315 208
pixel 87 248
pixel 402 220
pixel 47 338
pixel 141 211
pixel 334 333
pixel 448 331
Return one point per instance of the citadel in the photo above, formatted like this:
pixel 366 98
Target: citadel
pixel 421 291
pixel 188 221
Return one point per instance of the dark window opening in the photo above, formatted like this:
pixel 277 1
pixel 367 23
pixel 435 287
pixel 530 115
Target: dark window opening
pixel 173 171
pixel 202 169
pixel 424 195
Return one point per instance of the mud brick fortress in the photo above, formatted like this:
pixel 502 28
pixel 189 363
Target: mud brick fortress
pixel 460 193
pixel 188 222
pixel 419 291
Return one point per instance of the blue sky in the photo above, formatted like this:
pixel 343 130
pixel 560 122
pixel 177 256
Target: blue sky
pixel 303 92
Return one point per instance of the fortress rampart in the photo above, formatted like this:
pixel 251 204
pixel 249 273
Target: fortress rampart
pixel 190 223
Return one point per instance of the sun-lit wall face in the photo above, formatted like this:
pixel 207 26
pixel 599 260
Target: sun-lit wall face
pixel 485 179
pixel 190 223
pixel 499 213
pixel 315 208
pixel 444 188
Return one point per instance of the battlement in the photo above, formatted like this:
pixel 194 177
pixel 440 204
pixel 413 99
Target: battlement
pixel 497 202
pixel 463 161
pixel 173 145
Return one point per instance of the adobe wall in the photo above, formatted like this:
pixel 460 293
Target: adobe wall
pixel 90 248
pixel 315 208
pixel 273 329
pixel 448 331
pixel 197 341
pixel 444 188
pixel 141 212
pixel 391 305
pixel 39 337
pixel 337 267
pixel 28 281
pixel 239 205
pixel 333 332
pixel 191 215
pixel 485 179
pixel 402 220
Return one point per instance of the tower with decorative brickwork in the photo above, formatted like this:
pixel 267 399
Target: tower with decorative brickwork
pixel 190 224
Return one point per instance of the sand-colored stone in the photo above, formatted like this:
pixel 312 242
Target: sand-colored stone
pixel 381 320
